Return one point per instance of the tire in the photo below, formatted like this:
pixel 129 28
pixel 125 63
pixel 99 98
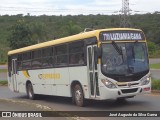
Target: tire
pixel 78 96
pixel 30 91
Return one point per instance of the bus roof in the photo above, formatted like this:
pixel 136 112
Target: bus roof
pixel 79 36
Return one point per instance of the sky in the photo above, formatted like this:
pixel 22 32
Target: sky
pixel 74 7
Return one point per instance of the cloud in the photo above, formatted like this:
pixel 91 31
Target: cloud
pixel 111 3
pixel 146 5
pixel 57 7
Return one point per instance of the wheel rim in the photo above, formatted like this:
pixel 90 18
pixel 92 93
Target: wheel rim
pixel 78 96
pixel 30 93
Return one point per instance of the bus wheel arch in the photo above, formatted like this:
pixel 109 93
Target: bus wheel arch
pixel 77 93
pixel 30 90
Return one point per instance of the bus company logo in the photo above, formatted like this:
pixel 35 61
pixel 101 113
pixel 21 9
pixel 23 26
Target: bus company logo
pixel 6 114
pixel 49 76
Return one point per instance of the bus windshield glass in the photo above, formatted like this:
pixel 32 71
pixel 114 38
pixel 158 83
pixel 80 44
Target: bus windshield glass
pixel 124 58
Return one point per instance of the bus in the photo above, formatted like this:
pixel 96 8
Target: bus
pixel 100 64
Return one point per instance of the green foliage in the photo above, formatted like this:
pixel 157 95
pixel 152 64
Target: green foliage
pixel 155 84
pixel 70 29
pixel 21 35
pixel 26 30
pixel 154 50
pixel 151 46
pixel 38 31
pixel 3 53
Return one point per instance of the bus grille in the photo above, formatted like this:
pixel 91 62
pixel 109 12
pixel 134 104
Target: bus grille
pixel 129 90
pixel 126 84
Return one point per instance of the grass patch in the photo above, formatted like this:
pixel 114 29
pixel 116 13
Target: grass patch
pixel 155 66
pixel 155 84
pixel 3 83
pixel 3 70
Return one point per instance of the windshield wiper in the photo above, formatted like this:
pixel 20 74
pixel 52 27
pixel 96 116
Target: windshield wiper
pixel 119 50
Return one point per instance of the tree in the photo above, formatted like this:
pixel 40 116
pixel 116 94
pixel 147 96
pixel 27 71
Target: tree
pixel 39 31
pixel 70 29
pixel 21 35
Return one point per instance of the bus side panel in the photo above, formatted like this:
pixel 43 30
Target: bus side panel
pixel 10 84
pixel 49 77
pixel 62 84
pixel 80 74
pixel 41 81
pixel 21 82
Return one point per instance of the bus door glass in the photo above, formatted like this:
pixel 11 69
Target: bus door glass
pixel 14 75
pixel 92 70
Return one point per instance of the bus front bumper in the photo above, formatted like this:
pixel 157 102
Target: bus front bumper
pixel 126 92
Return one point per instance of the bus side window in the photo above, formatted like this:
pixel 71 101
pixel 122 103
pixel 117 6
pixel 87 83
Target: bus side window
pixel 26 64
pixel 19 65
pixel 19 62
pixel 72 59
pixel 76 53
pixel 36 59
pixel 47 57
pixel 61 55
pixel 81 59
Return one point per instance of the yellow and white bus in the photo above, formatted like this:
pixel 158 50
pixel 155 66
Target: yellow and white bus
pixel 100 64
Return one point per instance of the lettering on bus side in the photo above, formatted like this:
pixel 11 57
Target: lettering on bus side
pixel 121 35
pixel 49 76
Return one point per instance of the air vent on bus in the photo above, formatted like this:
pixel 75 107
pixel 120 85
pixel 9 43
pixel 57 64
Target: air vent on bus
pixel 129 90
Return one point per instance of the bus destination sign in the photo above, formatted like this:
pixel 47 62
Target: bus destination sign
pixel 121 35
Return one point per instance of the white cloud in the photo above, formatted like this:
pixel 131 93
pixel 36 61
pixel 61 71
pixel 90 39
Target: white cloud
pixel 107 2
pixel 57 7
pixel 145 5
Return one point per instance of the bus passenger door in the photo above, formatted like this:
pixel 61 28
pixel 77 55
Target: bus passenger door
pixel 92 70
pixel 14 75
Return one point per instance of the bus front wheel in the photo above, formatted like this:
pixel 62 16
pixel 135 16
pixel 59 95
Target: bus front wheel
pixel 30 92
pixel 78 95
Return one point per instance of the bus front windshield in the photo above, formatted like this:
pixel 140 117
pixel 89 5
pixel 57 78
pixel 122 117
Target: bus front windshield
pixel 124 58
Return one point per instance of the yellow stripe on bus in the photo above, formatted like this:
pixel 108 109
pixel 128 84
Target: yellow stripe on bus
pixel 26 74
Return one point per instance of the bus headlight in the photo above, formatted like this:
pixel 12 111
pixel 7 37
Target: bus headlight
pixel 108 83
pixel 145 80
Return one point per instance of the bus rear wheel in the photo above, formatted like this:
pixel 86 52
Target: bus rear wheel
pixel 78 95
pixel 30 92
